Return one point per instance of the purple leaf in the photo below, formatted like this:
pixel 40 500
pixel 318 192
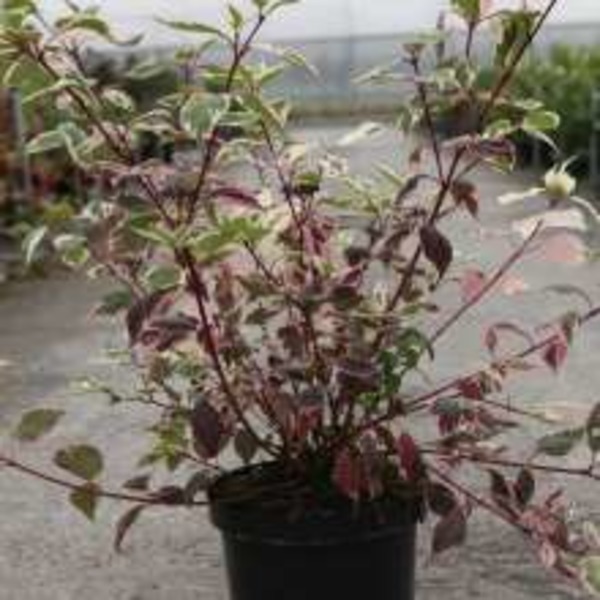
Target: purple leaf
pixel 441 499
pixel 347 474
pixel 465 194
pixel 437 249
pixel 525 487
pixel 555 352
pixel 236 196
pixel 450 531
pixel 207 429
pixel 125 523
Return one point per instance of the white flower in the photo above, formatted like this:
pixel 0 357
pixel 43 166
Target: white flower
pixel 559 184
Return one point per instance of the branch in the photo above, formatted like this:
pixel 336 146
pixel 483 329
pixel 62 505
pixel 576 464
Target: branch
pixel 69 485
pixel 488 287
pixel 571 472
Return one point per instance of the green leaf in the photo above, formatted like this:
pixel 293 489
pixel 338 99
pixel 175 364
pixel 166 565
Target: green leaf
pixel 119 100
pixel 37 423
pixel 32 244
pixel 193 27
pixel 560 443
pixel 44 142
pixel 72 249
pixel 277 4
pixel 57 87
pixel 265 112
pixel 516 29
pixel 499 129
pixel 590 574
pixel 470 10
pixel 236 18
pixel 162 277
pixel 85 499
pixel 82 461
pixel 542 120
pixel 89 21
pixel 593 430
pixel 157 235
pixel 202 113
pixel 115 302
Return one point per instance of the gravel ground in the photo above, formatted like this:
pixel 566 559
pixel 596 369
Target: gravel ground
pixel 47 552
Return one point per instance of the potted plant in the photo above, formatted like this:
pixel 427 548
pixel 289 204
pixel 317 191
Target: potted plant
pixel 281 309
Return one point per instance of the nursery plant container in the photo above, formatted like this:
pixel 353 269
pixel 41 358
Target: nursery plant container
pixel 275 550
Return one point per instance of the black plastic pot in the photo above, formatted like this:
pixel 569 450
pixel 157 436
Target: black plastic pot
pixel 327 553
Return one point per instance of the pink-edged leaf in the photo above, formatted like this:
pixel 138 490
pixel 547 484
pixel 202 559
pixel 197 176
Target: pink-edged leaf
pixel 207 429
pixel 555 352
pixel 437 248
pixel 512 285
pixel 572 219
pixel 472 388
pixel 410 457
pixel 492 335
pixel 564 248
pixel 471 284
pixel 465 194
pixel 236 196
pixel 450 531
pixel 548 555
pixel 347 474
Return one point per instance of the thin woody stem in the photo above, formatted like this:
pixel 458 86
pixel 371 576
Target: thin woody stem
pixel 487 287
pixel 240 50
pixel 586 472
pixel 30 471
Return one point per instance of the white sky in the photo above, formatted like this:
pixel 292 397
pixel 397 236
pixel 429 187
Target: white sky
pixel 312 18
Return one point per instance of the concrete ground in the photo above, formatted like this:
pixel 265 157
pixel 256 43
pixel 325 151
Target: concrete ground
pixel 47 339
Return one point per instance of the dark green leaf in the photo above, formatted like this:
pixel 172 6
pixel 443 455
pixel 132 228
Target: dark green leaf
pixel 85 499
pixel 139 483
pixel 560 443
pixel 114 302
pixel 593 430
pixel 541 121
pixel 82 461
pixel 37 423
